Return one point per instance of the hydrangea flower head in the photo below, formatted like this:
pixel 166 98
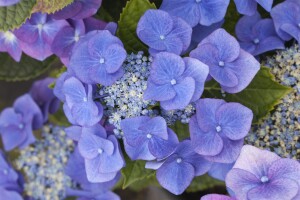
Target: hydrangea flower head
pixel 10 43
pixel 8 175
pixel 205 12
pixel 249 7
pixel 8 2
pixel 287 19
pixel 102 155
pixel 260 174
pixel 218 129
pixel 37 35
pixel 16 123
pixel 79 9
pixel 66 38
pixel 98 58
pixel 174 81
pixel 177 171
pixel 163 32
pixel 80 107
pixel 257 35
pixel 44 97
pixel 228 64
pixel 216 197
pixel 148 138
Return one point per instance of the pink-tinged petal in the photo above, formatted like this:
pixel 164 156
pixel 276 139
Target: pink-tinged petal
pixel 69 11
pixel 27 33
pixel 235 120
pixel 184 93
pixel 63 42
pixel 261 160
pixel 206 113
pixel 89 8
pixel 199 72
pixel 89 146
pixel 227 45
pixel 51 28
pixel 230 152
pixel 204 143
pixel 245 68
pixel 93 174
pixel 39 50
pixel 276 189
pixel 216 197
pixel 175 177
pixel 159 92
pixel 241 181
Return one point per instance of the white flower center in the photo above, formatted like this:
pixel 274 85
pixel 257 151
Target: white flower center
pixel 40 26
pixel 264 179
pixel 218 129
pixel 149 136
pixel 76 38
pixel 85 99
pixel 256 41
pixel 162 37
pixel 102 60
pixel 9 36
pixel 198 1
pixel 178 160
pixel 100 151
pixel 21 126
pixel 5 172
pixel 173 82
pixel 221 64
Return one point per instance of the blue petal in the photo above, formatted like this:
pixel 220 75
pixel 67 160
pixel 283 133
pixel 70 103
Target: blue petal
pixel 97 129
pixel 267 5
pixel 212 11
pixel 140 152
pixel 158 92
pixel 74 91
pixel 156 126
pixel 93 174
pixel 114 57
pixel 244 27
pixel 246 7
pixel 220 170
pixel 73 132
pixel 200 164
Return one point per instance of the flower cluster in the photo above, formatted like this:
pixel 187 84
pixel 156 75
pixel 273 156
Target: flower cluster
pixel 280 132
pixel 43 165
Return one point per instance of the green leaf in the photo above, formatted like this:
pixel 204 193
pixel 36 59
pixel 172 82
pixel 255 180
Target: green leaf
pixel 51 6
pixel 142 184
pixel 181 130
pixel 262 94
pixel 59 118
pixel 231 18
pixel 128 22
pixel 26 69
pixel 12 17
pixel 135 171
pixel 203 183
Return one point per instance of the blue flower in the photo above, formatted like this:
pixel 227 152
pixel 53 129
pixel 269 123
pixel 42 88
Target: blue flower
pixel 220 170
pixel 205 12
pixel 10 43
pixel 257 35
pixel 66 38
pixel 148 138
pixel 8 2
pixel 176 172
pixel 249 7
pixel 8 176
pixel 44 97
pixel 79 9
pixel 163 32
pixel 260 174
pixel 174 81
pixel 80 108
pixel 228 64
pixel 37 35
pixel 287 19
pixel 218 129
pixel 58 88
pixel 216 197
pixel 98 58
pixel 102 155
pixel 10 194
pixel 16 123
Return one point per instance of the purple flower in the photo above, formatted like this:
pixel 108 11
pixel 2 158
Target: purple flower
pixel 98 58
pixel 79 9
pixel 228 64
pixel 80 108
pixel 16 123
pixel 220 170
pixel 9 43
pixel 92 24
pixel 8 176
pixel 10 195
pixel 257 35
pixel 66 38
pixel 75 168
pixel 37 35
pixel 249 7
pixel 58 88
pixel 218 129
pixel 8 2
pixel 287 20
pixel 44 97
pixel 177 171
pixel 205 12
pixel 174 81
pixel 261 174
pixel 148 138
pixel 102 155
pixel 163 32
pixel 216 197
